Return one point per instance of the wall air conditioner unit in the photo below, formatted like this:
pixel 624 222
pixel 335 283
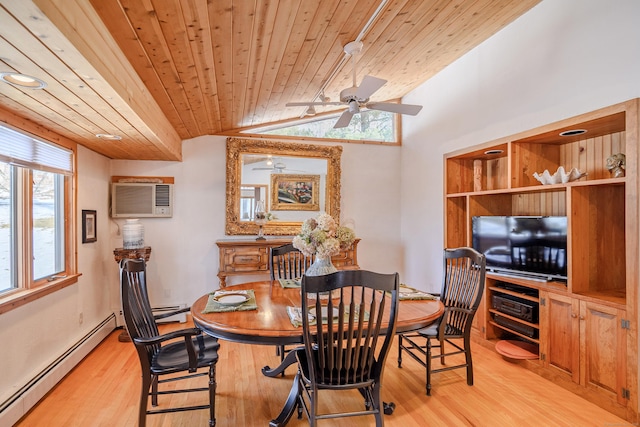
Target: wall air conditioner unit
pixel 141 200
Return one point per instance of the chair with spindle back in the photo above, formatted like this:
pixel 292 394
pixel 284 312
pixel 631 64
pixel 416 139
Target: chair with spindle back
pixel 347 340
pixel 462 288
pixel 185 350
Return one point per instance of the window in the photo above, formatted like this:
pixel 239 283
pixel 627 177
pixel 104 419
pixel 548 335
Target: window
pixel 35 204
pixel 368 125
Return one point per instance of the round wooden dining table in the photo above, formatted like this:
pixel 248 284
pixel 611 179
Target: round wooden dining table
pixel 270 324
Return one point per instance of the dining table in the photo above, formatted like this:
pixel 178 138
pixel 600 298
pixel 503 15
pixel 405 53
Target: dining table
pixel 269 322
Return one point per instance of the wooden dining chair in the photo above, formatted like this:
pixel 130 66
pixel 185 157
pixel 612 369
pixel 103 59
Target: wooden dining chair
pixel 462 288
pixel 287 262
pixel 347 340
pixel 185 350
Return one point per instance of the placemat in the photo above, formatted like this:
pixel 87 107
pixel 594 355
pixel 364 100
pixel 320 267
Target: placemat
pixel 290 283
pixel 215 307
pixel 409 293
pixel 295 316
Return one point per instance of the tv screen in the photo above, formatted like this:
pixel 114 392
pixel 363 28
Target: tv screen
pixel 532 246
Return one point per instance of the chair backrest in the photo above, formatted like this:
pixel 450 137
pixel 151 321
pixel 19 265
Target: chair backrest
pixel 287 262
pixel 462 288
pixel 136 308
pixel 343 338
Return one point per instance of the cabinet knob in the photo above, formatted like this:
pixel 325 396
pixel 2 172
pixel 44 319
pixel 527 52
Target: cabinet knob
pixel 573 315
pixel 581 317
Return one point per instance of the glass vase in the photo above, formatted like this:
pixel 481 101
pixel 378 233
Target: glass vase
pixel 321 267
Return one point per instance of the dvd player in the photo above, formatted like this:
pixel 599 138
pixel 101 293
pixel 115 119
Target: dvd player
pixel 516 326
pixel 516 307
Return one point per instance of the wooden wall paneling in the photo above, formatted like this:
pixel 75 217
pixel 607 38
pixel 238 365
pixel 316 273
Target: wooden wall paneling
pixel 278 42
pixel 457 226
pixel 112 15
pixel 92 52
pixel 185 27
pixel 311 38
pixel 498 204
pixel 301 23
pixel 221 21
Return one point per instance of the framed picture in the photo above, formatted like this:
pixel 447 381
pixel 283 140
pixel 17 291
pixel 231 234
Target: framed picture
pixel 295 192
pixel 89 227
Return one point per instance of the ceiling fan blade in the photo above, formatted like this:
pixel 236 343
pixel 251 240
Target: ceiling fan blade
pixel 344 120
pixel 305 104
pixel 395 108
pixel 368 86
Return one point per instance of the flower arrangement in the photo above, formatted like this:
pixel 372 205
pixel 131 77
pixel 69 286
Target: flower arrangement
pixel 323 237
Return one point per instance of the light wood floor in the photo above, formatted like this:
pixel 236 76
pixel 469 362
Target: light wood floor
pixel 103 391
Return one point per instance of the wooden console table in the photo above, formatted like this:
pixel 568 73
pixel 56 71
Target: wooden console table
pixel 243 257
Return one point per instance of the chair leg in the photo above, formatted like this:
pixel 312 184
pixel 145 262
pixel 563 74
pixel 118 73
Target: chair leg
pixel 144 400
pixel 377 404
pixel 400 351
pixel 154 390
pixel 442 351
pixel 314 408
pixel 213 386
pixel 467 355
pixel 429 366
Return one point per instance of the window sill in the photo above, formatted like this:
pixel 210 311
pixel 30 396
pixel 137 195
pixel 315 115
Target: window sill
pixel 23 296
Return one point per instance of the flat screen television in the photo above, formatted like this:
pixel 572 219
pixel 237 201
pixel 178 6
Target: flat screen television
pixel 529 246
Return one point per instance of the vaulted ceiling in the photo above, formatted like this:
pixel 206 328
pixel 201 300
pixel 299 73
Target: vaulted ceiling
pixel 156 72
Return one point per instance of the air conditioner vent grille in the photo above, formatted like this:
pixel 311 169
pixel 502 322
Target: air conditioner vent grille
pixel 162 195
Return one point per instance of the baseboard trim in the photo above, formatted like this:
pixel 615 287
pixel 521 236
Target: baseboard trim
pixel 27 396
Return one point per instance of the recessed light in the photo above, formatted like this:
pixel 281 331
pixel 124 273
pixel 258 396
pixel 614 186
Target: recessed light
pixel 494 152
pixel 109 136
pixel 22 80
pixel 573 132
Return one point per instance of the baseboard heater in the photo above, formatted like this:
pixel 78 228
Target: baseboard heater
pixel 181 317
pixel 27 396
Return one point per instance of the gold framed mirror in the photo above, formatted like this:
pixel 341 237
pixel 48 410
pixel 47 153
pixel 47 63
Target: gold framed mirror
pixel 251 166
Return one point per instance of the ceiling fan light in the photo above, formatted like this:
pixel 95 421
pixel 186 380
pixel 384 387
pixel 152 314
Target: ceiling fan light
pixel 354 108
pixel 311 111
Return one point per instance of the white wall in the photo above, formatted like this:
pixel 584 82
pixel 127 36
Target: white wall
pixel 562 58
pixel 34 334
pixel 184 257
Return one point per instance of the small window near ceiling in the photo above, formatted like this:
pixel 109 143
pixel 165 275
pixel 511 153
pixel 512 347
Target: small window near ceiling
pixel 368 125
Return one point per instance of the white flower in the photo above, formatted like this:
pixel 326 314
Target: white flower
pixel 323 237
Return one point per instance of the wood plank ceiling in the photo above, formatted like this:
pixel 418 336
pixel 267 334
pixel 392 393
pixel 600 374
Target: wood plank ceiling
pixel 160 71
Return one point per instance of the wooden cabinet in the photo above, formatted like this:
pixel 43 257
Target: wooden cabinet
pixel 586 342
pixel 243 257
pixel 587 332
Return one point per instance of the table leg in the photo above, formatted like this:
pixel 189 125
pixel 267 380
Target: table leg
pixel 290 405
pixel 289 360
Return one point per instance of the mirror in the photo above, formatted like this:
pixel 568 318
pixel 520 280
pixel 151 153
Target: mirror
pixel 295 181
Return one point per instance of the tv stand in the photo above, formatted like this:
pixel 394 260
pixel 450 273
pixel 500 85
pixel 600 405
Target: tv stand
pixel 542 278
pixel 586 334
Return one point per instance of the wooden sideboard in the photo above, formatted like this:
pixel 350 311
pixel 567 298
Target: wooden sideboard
pixel 242 257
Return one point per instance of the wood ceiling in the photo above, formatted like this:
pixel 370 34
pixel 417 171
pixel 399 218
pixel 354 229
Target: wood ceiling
pixel 160 71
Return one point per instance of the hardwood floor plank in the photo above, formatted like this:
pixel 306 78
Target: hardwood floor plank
pixel 103 390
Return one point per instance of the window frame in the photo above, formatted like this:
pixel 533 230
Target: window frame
pixel 248 131
pixel 29 290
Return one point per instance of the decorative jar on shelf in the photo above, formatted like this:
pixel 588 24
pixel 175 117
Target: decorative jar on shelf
pixel 132 234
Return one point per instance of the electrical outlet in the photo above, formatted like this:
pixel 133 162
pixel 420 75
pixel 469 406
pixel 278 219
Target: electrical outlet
pixel 80 318
pixel 167 293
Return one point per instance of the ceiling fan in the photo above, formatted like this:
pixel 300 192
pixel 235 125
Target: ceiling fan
pixel 274 166
pixel 357 97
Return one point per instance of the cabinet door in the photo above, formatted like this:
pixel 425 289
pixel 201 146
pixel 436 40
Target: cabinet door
pixel 602 348
pixel 561 343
